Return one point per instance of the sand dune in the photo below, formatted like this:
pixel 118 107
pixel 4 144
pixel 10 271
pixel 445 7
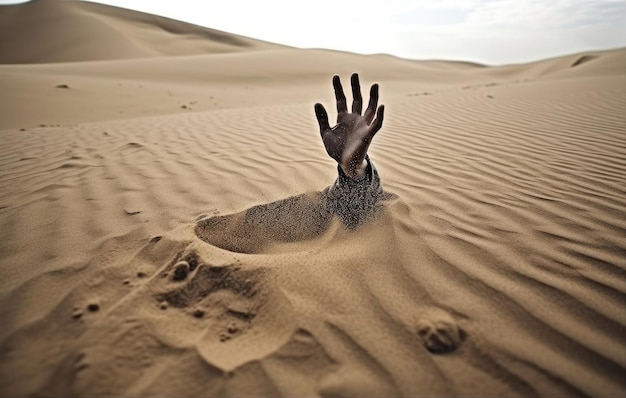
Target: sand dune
pixel 44 31
pixel 123 89
pixel 169 251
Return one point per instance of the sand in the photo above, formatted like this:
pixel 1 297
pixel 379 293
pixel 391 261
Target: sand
pixel 158 234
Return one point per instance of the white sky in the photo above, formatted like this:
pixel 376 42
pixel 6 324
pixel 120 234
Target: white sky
pixel 486 31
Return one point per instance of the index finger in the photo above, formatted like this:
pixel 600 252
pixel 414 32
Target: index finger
pixel 322 118
pixel 339 95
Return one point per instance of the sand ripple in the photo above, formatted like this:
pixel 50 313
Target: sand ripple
pixel 497 271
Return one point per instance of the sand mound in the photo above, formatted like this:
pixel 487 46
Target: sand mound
pixel 43 31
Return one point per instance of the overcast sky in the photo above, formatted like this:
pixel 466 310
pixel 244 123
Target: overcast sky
pixel 486 31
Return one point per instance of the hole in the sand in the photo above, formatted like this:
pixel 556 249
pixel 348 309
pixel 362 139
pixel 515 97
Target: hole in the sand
pixel 295 219
pixel 440 340
pixel 232 328
pixel 281 226
pixel 439 332
pixel 181 270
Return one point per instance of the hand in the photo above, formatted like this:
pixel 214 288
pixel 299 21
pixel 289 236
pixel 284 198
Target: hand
pixel 349 140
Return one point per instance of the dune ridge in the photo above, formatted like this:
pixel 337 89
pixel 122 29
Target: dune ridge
pixel 44 31
pixel 117 89
pixel 179 251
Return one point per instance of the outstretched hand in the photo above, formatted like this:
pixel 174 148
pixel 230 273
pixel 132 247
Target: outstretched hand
pixel 348 141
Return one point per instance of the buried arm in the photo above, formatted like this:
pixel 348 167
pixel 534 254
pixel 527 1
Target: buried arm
pixel 356 191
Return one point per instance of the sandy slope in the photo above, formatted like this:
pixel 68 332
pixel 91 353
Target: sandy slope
pixel 43 31
pixel 505 236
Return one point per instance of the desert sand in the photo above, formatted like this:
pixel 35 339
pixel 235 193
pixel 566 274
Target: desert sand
pixel 158 238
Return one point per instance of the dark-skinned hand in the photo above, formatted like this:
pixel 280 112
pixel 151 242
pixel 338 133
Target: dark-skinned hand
pixel 348 141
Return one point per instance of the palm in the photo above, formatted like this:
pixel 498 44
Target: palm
pixel 349 140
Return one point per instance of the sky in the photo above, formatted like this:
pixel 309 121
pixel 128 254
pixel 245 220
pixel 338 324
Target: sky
pixel 493 32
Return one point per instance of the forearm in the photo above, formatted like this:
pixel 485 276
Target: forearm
pixel 353 199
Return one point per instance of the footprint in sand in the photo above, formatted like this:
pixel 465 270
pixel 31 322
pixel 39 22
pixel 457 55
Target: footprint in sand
pixel 439 332
pixel 204 291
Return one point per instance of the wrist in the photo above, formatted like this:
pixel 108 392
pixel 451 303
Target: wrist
pixel 355 172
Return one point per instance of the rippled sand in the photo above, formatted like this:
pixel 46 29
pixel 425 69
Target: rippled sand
pixel 159 231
